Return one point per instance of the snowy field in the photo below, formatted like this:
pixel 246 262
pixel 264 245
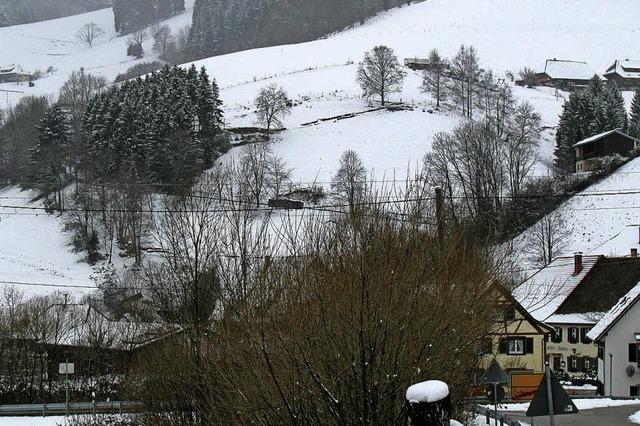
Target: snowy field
pixel 53 43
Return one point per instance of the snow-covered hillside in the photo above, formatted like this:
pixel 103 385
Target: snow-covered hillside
pixel 508 35
pixel 602 219
pixel 53 43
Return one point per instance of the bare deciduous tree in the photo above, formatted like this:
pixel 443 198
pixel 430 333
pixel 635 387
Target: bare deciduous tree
pixel 521 146
pixel 162 39
pixel 349 182
pixel 89 33
pixel 380 74
pixel 547 239
pixel 272 105
pixel 435 79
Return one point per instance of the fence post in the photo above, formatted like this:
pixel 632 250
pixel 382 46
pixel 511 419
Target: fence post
pixel 120 407
pixel 44 410
pixel 488 416
pixel 501 421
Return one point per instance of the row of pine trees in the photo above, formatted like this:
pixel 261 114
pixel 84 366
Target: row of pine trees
pixel 224 26
pixel 162 130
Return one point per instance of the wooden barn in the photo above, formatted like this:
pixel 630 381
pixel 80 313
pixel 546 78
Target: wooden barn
pixel 626 74
pixel 564 74
pixel 590 150
pixel 420 64
pixel 13 74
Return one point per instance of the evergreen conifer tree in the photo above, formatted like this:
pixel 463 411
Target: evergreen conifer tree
pixel 634 118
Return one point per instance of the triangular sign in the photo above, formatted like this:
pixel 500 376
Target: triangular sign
pixel 495 374
pixel 562 403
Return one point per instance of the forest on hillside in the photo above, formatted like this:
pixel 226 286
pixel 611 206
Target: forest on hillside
pixel 224 26
pixel 14 12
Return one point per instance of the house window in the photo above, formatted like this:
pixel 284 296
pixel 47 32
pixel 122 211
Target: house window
pixel 556 336
pixel 572 364
pixel 583 336
pixel 573 335
pixel 633 390
pixel 516 346
pixel 633 352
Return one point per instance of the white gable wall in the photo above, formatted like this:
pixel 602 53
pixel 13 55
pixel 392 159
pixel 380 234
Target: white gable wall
pixel 616 355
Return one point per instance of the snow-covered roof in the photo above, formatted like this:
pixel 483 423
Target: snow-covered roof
pixel 8 69
pixel 543 293
pixel 625 69
pixel 569 70
pixel 599 136
pixel 611 317
pixel 622 243
pixel 588 318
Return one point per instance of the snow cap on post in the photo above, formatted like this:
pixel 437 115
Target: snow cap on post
pixel 429 391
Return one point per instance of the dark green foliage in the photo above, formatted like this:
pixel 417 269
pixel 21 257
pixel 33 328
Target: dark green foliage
pixel 163 129
pixel 50 155
pixel 634 118
pixel 223 26
pixel 135 50
pixel 18 135
pixel 132 15
pixel 25 11
pixel 139 70
pixel 598 108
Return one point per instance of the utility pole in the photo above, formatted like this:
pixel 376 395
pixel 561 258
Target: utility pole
pixel 66 380
pixel 440 214
pixel 552 420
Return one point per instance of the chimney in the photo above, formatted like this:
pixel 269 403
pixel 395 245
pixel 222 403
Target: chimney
pixel 577 262
pixel 634 252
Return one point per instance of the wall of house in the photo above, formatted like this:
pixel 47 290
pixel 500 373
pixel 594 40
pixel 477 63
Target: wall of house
pixel 517 328
pixel 564 350
pixel 616 355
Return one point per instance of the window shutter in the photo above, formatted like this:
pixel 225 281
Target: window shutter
pixel 573 335
pixel 570 364
pixel 559 335
pixel 504 346
pixel 633 352
pixel 581 365
pixel 528 345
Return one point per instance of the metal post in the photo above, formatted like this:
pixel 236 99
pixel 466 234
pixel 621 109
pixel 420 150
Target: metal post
pixel 495 398
pixel 552 420
pixel 610 375
pixel 488 413
pixel 66 374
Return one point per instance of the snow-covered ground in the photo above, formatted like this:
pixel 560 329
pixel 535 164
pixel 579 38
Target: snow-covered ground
pixel 34 249
pixel 581 404
pixel 601 219
pixel 53 43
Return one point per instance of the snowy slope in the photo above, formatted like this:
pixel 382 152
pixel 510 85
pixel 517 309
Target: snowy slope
pixel 53 43
pixel 321 74
pixel 34 249
pixel 600 219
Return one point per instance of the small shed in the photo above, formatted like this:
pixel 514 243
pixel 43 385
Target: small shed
pixel 594 148
pixel 626 74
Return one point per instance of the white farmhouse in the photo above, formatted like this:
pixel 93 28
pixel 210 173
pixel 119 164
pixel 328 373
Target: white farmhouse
pixel 617 335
